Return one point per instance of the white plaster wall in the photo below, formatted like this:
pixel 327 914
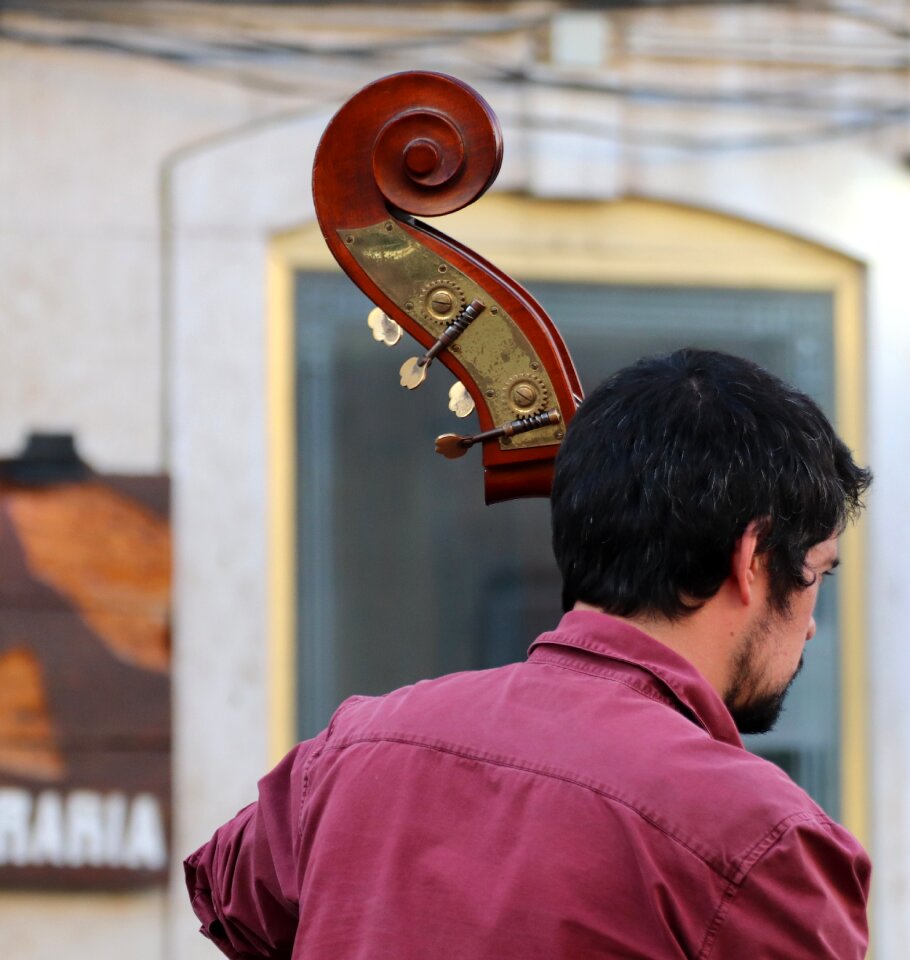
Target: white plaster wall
pixel 86 143
pixel 55 925
pixel 227 199
pixel 84 139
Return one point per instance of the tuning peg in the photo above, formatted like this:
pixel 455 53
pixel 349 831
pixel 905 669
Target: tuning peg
pixel 414 370
pixel 385 329
pixel 461 403
pixel 452 446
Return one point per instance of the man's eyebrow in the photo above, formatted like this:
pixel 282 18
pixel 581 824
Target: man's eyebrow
pixel 834 563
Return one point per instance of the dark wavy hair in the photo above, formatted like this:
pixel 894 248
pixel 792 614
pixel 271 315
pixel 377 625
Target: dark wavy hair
pixel 667 463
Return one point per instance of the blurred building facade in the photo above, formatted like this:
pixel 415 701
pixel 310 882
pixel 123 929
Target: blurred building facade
pixel 727 174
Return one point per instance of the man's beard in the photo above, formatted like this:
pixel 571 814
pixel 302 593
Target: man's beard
pixel 754 708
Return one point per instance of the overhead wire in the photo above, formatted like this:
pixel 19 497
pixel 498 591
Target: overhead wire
pixel 244 62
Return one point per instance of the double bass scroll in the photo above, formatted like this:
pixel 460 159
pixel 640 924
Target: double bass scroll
pixel 425 144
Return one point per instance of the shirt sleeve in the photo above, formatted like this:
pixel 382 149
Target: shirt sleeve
pixel 244 882
pixel 804 899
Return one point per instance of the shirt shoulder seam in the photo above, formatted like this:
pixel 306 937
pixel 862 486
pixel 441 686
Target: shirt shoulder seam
pixel 564 663
pixel 453 750
pixel 750 859
pixel 315 755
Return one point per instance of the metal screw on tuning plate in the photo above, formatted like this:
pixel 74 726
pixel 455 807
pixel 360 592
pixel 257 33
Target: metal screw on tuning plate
pixel 385 329
pixel 441 302
pixel 461 403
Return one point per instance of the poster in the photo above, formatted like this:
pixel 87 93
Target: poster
pixel 85 586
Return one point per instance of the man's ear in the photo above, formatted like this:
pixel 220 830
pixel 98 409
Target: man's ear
pixel 744 562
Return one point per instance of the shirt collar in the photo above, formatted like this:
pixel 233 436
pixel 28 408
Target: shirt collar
pixel 616 639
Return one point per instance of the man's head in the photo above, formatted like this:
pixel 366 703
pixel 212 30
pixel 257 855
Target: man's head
pixel 674 467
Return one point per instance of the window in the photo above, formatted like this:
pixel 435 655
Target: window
pixel 406 574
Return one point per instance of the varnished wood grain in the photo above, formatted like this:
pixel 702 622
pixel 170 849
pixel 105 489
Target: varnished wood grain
pixel 372 163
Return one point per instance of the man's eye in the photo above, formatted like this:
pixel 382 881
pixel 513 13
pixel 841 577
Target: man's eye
pixel 828 573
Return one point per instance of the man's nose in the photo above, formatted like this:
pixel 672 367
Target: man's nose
pixel 810 633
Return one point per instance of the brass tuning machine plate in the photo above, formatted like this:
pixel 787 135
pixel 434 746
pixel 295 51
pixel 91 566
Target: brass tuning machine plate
pixel 508 380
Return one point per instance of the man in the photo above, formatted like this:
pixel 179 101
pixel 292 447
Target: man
pixel 596 800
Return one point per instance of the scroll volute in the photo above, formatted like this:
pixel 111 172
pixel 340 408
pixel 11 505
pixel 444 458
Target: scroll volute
pixel 424 144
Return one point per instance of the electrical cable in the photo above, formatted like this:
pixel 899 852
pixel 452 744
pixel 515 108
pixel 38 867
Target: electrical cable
pixel 234 62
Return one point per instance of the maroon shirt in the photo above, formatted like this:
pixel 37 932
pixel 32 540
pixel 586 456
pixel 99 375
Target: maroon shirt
pixel 594 801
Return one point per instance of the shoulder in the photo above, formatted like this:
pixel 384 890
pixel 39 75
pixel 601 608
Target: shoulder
pixel 434 706
pixel 719 801
pixel 738 806
pixel 801 894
